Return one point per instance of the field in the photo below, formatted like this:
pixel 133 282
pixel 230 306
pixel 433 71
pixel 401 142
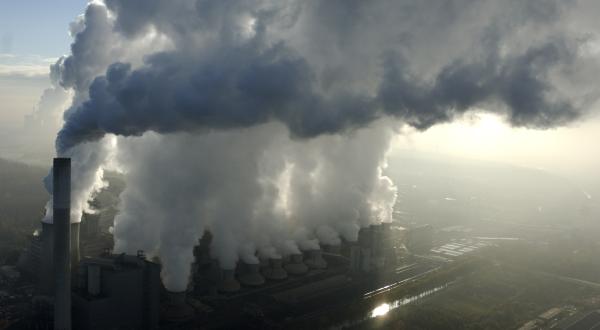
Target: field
pixel 496 296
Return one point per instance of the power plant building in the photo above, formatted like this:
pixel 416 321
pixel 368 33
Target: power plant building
pixel 117 292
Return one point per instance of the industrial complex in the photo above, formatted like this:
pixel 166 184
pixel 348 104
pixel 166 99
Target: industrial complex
pixel 84 285
pixel 66 275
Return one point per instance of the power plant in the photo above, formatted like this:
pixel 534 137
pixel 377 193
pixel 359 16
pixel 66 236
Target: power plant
pixel 91 287
pixel 251 164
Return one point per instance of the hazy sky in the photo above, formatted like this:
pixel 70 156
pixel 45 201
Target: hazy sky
pixel 571 151
pixel 37 27
pixel 34 33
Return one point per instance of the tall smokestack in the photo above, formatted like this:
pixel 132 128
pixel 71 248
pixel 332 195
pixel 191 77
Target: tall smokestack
pixel 62 242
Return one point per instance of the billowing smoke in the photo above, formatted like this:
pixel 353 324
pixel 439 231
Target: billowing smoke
pixel 93 50
pixel 267 122
pixel 244 186
pixel 87 171
pixel 239 64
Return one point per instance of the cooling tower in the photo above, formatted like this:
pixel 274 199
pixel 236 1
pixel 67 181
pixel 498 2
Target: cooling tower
pixel 46 276
pixel 377 238
pixel 355 257
pixel 365 259
pixel 365 237
pixel 333 248
pixel 61 194
pixel 250 275
pixel 264 262
pixel 386 228
pixel 94 279
pixel 295 266
pixel 46 262
pixel 274 270
pixel 315 260
pixel 228 282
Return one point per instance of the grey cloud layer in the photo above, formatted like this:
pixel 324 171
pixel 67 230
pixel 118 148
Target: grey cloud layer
pixel 238 64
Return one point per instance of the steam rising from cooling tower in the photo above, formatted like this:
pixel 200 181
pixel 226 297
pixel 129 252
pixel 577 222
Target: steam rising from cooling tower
pixel 268 122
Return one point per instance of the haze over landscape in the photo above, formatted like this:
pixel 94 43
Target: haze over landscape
pixel 261 130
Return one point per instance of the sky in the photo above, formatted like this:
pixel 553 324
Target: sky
pixel 569 151
pixel 37 27
pixel 34 33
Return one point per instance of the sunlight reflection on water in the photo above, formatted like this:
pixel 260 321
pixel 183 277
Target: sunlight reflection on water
pixel 386 307
pixel 380 310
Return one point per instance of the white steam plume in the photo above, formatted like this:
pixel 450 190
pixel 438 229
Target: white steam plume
pixel 206 95
pixel 179 185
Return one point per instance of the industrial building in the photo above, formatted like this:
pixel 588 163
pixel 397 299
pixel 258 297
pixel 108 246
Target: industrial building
pixel 118 292
pixel 87 240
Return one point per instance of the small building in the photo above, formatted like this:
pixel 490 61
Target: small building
pixel 117 292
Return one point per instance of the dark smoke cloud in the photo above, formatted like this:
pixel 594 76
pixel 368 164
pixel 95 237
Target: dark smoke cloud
pixel 241 82
pixel 249 86
pixel 520 84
